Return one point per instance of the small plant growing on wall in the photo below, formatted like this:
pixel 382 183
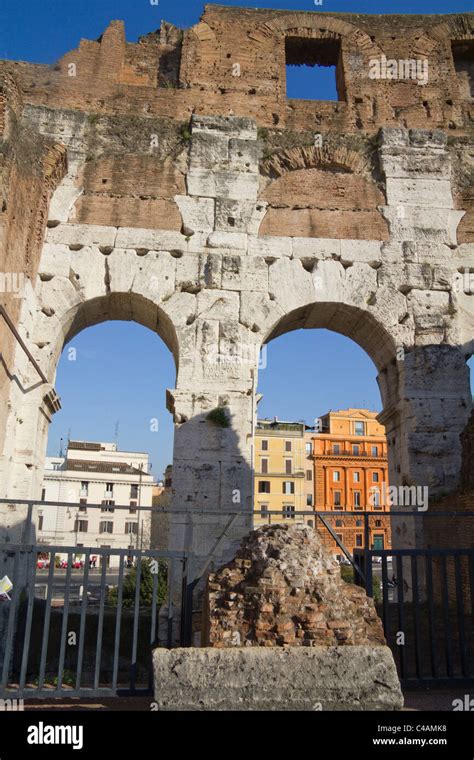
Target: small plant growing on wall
pixel 218 417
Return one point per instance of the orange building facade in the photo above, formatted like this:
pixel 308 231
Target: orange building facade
pixel 351 476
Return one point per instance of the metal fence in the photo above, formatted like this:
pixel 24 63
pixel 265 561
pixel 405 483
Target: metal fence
pixel 425 598
pixel 80 630
pixel 73 626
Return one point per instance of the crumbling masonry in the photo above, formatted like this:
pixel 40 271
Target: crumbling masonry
pixel 172 182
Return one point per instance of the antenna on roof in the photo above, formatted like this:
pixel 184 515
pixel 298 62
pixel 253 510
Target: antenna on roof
pixel 117 425
pixel 60 447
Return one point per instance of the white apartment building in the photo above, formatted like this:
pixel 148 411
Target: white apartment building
pixel 96 473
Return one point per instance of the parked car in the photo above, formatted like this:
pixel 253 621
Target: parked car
pixel 42 564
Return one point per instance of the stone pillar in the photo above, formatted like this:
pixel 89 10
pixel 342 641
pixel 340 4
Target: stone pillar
pixel 426 392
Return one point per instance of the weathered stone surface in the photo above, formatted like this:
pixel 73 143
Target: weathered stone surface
pixel 321 678
pixel 285 588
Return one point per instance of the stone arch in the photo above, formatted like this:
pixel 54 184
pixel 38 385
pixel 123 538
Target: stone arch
pixel 311 192
pixel 321 27
pixel 312 157
pixel 110 286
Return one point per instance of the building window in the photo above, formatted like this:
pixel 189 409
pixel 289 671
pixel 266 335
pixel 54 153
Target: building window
pixel 313 69
pixel 337 498
pixel 80 526
pixel 336 449
pixel 375 477
pixel 355 449
pixel 288 511
pixel 359 428
pixel 109 489
pixel 107 506
pixel 84 488
pixel 463 57
pixel 40 522
pixel 375 451
pixel 375 499
pixel 359 539
pixel 133 507
pixel 264 445
pixel 338 523
pixel 82 502
pixel 264 486
pixel 263 510
pixel 336 476
pixel 378 523
pixel 264 466
pixel 308 447
pixel 43 494
pixel 288 486
pixel 106 527
pixel 134 491
pixel 309 474
pixel 309 500
pixel 356 477
pixel 288 466
pixel 358 523
pixel 287 445
pixel 357 499
pixel 131 527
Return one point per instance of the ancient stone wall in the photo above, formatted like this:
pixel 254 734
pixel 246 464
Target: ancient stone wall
pixel 198 203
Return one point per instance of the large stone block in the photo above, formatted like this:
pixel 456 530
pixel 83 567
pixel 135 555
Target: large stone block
pixel 320 678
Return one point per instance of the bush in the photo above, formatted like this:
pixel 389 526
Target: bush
pixel 218 417
pixel 146 586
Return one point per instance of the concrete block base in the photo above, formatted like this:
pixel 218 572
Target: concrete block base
pixel 276 678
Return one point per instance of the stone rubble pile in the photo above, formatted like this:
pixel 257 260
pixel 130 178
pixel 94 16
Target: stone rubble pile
pixel 284 588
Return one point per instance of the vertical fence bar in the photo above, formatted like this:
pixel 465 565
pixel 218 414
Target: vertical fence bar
pixel 171 604
pixel 154 600
pixel 82 624
pixel 100 622
pixel 29 621
pixel 62 646
pixel 461 620
pixel 446 622
pixel 118 622
pixel 431 614
pixel 401 616
pixel 13 606
pixel 416 615
pixel 136 611
pixel 385 602
pixel 47 620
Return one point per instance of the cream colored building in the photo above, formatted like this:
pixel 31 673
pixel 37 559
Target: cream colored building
pixel 283 471
pixel 96 473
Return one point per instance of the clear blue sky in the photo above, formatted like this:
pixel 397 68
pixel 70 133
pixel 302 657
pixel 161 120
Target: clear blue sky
pixel 122 369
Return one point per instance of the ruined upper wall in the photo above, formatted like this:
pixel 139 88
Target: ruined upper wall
pixel 236 57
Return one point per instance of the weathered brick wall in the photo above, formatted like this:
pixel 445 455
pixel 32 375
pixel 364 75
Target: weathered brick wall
pixel 284 588
pixel 30 169
pixel 150 88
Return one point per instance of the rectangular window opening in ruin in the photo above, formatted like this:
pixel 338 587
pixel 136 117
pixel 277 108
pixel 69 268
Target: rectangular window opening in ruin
pixel 313 69
pixel 463 57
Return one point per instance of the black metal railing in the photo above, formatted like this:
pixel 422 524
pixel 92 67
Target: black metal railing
pixel 72 627
pixel 425 598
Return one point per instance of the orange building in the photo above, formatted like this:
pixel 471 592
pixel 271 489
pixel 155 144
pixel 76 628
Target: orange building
pixel 351 476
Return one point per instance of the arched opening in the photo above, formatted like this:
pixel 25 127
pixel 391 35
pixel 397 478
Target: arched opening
pixel 111 441
pixel 321 453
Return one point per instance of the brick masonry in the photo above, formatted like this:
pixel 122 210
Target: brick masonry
pixel 284 588
pixel 162 188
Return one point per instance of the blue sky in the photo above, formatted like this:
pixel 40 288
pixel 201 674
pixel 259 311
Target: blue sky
pixel 122 369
